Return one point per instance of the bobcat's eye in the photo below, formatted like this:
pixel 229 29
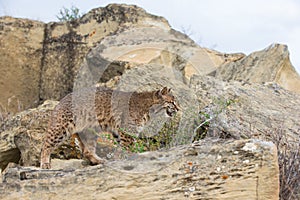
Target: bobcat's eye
pixel 171 108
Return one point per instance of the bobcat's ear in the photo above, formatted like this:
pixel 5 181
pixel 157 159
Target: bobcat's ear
pixel 162 92
pixel 165 91
pixel 158 93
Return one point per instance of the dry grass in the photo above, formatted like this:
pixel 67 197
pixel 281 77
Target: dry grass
pixel 5 112
pixel 4 115
pixel 289 165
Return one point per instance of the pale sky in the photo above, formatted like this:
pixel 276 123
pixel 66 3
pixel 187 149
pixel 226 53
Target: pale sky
pixel 228 26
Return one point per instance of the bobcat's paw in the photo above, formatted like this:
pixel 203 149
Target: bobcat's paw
pixel 97 161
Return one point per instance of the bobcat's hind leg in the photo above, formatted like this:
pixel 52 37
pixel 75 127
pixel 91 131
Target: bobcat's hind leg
pixel 88 144
pixel 53 139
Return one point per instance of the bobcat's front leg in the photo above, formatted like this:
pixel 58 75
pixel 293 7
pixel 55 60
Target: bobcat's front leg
pixel 45 157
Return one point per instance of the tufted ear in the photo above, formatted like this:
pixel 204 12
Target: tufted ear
pixel 162 92
pixel 165 91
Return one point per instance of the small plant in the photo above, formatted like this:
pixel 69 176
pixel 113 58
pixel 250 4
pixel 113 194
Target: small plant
pixel 165 137
pixel 66 14
pixel 207 115
pixel 201 130
pixel 138 144
pixel 108 139
pixel 137 147
pixel 187 30
pixel 134 144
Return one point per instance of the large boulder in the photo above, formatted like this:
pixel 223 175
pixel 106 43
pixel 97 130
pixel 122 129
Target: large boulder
pixel 241 169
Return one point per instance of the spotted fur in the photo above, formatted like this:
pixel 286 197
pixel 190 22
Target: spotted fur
pixel 106 109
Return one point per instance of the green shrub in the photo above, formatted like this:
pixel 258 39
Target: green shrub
pixel 66 14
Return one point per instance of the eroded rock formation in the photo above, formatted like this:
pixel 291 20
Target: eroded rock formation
pixel 268 65
pixel 51 55
pixel 233 107
pixel 241 169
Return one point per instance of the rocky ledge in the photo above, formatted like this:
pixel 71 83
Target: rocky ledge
pixel 209 169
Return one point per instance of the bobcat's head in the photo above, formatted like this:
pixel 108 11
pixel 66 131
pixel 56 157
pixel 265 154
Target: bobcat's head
pixel 167 101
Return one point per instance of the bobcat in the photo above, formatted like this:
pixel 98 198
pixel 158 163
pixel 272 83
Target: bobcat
pixel 109 110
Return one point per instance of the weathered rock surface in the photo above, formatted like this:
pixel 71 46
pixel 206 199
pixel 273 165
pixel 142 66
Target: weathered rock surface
pixel 162 46
pixel 269 65
pixel 51 55
pixel 50 52
pixel 66 44
pixel 248 110
pixel 21 136
pixel 237 111
pixel 228 96
pixel 241 169
pixel 21 46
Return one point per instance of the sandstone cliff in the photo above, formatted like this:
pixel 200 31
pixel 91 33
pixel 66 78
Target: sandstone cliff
pixel 236 110
pixel 50 55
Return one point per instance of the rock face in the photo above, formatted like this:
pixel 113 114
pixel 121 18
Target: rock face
pixel 54 51
pixel 254 110
pixel 21 46
pixel 51 55
pixel 241 169
pixel 66 44
pixel 269 65
pixel 233 108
